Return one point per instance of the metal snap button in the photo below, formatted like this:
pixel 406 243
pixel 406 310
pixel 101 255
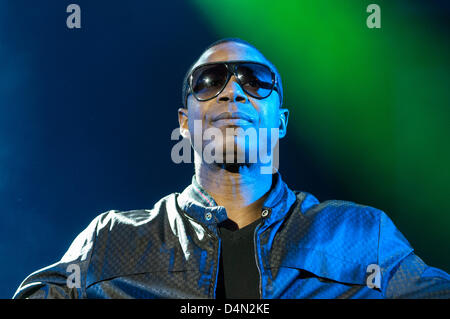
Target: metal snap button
pixel 265 212
pixel 208 216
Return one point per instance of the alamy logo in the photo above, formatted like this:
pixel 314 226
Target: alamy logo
pixel 74 279
pixel 374 19
pixel 235 145
pixel 374 278
pixel 74 19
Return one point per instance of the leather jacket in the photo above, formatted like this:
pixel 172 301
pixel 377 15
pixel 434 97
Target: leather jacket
pixel 303 249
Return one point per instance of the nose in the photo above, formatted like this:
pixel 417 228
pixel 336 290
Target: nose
pixel 233 92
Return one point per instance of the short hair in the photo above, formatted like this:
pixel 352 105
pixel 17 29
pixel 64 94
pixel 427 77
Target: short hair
pixel 224 40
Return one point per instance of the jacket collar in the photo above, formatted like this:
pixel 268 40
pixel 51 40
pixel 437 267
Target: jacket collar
pixel 198 204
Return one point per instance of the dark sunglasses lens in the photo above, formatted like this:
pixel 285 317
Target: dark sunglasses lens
pixel 208 80
pixel 255 79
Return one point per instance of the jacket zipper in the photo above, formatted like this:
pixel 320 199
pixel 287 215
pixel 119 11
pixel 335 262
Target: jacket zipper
pixel 213 237
pixel 217 267
pixel 255 240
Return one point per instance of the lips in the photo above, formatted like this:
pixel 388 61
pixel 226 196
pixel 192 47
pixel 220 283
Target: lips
pixel 232 117
pixel 235 119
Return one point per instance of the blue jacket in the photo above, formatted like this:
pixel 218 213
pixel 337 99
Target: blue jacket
pixel 303 249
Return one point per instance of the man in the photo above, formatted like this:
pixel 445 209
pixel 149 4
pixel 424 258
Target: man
pixel 238 231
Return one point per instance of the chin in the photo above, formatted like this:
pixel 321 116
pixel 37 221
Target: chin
pixel 233 167
pixel 233 153
pixel 240 155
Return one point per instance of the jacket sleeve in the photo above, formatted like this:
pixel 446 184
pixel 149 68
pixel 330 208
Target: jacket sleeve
pixel 66 278
pixel 404 274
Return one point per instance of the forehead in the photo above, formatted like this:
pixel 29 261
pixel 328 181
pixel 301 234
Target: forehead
pixel 231 51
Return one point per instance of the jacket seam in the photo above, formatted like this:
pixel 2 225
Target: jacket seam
pixel 90 258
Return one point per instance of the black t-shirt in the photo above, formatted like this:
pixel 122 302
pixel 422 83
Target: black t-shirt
pixel 238 274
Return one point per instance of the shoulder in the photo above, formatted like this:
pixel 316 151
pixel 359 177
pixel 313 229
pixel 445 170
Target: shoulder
pixel 136 217
pixel 355 229
pixel 124 242
pixel 340 215
pixel 339 212
pixel 120 226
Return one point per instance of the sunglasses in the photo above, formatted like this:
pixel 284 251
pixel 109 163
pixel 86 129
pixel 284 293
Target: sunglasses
pixel 208 80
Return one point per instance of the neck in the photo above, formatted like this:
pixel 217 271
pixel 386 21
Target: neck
pixel 242 190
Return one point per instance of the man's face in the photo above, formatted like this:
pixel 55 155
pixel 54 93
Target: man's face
pixel 232 108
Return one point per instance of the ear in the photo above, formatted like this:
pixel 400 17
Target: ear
pixel 183 121
pixel 284 116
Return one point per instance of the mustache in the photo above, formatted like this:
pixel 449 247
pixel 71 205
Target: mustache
pixel 233 115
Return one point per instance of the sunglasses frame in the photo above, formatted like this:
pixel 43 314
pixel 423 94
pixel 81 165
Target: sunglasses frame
pixel 232 70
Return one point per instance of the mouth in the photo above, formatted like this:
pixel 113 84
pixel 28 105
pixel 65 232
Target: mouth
pixel 232 119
